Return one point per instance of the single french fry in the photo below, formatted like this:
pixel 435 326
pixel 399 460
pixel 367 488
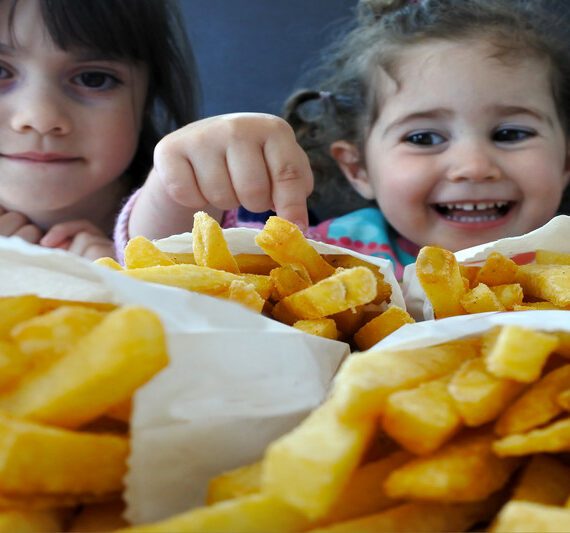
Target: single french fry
pixel 469 273
pixel 537 405
pixel 121 411
pixel 481 299
pixel 509 295
pixel 425 517
pixel 384 289
pixel 528 517
pixel 235 483
pixel 463 470
pixel 103 369
pixel 537 306
pixel 199 279
pixel 440 277
pixel 209 244
pixel 283 314
pixel 15 309
pixel 365 380
pixel 13 364
pixel 552 438
pixel 39 459
pixel 376 329
pixel 47 337
pixel 108 262
pixel 517 353
pixel 182 258
pixel 309 467
pixel 563 400
pixel 546 257
pixel 423 418
pixel 362 495
pixel 245 293
pixel 480 396
pixel 341 291
pixel 247 263
pixel 546 282
pixel 253 513
pixel 284 242
pixel 287 280
pixel 497 270
pixel 349 322
pixel 14 521
pixel 322 327
pixel 544 480
pixel 255 264
pixel 140 253
pixel 46 502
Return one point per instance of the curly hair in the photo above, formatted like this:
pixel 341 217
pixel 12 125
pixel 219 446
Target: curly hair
pixel 344 100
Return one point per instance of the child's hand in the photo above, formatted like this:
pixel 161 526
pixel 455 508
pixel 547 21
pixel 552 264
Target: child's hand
pixel 248 159
pixel 79 237
pixel 14 224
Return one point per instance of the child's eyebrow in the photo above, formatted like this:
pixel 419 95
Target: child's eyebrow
pixel 508 110
pixel 439 112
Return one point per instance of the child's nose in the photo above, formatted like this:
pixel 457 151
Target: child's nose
pixel 41 112
pixel 472 161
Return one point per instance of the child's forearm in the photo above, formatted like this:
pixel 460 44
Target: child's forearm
pixel 156 215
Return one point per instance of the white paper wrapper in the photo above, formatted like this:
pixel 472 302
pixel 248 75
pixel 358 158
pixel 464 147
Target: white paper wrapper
pixel 431 332
pixel 236 380
pixel 554 236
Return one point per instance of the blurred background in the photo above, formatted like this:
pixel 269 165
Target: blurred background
pixel 251 53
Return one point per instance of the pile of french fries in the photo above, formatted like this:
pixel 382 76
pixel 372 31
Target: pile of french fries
pixel 498 285
pixel 466 435
pixel 68 371
pixel 339 297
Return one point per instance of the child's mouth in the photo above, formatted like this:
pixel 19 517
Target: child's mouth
pixel 474 212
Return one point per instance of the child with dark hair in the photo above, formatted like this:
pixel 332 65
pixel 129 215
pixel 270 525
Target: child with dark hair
pixel 87 89
pixel 448 119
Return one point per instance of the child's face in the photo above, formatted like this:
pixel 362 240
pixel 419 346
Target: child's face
pixel 468 149
pixel 69 122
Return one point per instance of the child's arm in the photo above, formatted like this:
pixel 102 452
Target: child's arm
pixel 220 163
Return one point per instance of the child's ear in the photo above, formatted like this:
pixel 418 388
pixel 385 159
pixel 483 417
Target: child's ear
pixel 348 158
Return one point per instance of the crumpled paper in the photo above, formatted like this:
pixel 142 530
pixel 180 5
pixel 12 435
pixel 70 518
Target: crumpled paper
pixel 236 380
pixel 554 236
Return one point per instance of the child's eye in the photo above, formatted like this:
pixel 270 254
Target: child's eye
pixel 96 80
pixel 425 138
pixel 5 74
pixel 512 135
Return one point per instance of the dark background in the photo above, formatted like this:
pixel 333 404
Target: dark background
pixel 251 53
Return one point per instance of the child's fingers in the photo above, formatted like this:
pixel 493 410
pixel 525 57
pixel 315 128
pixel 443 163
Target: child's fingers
pixel 57 235
pixel 29 233
pixel 176 173
pixel 291 177
pixel 250 176
pixel 14 224
pixel 91 246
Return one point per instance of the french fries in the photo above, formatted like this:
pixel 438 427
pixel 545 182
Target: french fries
pixel 469 445
pixel 499 284
pixel 63 366
pixel 294 283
